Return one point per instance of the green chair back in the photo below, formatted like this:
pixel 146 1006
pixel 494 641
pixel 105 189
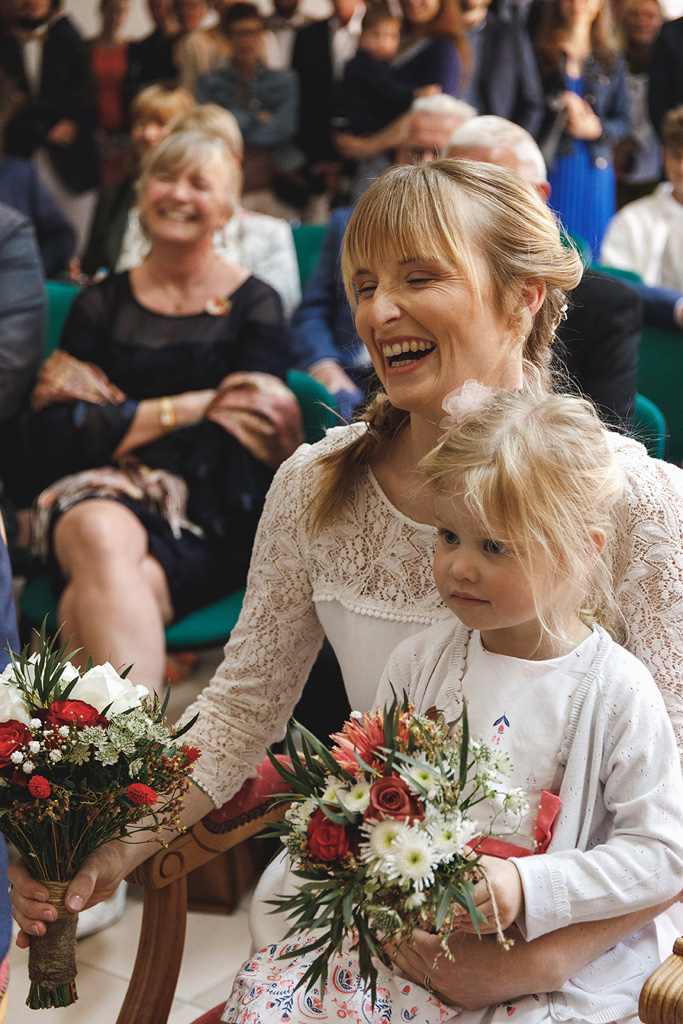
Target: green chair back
pixel 316 402
pixel 60 295
pixel 660 373
pixel 308 241
pixel 649 426
pixel 624 275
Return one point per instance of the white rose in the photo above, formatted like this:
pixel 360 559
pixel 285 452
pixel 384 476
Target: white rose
pixel 103 686
pixel 12 702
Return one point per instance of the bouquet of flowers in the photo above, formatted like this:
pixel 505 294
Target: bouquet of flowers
pixel 84 758
pixel 380 835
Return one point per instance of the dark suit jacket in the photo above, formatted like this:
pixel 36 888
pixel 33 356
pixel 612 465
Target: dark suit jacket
pixel 312 61
pixel 666 71
pixel 508 83
pixel 598 343
pixel 21 189
pixel 149 60
pixel 108 227
pixel 66 91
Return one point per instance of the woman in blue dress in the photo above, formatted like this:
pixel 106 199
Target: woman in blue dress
pixel 434 49
pixel 585 83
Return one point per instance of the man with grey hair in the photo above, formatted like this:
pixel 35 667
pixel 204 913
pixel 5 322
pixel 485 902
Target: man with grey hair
pixel 599 339
pixel 325 342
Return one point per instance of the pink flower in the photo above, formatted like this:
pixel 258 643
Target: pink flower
pixel 463 403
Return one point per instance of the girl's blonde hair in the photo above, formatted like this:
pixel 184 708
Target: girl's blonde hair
pixel 455 210
pixel 537 471
pixel 182 150
pixel 160 102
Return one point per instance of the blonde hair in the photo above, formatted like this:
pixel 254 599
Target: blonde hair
pixel 160 102
pixel 214 120
pixel 455 210
pixel 189 149
pixel 537 471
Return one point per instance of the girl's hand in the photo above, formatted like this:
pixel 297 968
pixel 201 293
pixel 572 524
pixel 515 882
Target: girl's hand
pixel 506 885
pixel 97 880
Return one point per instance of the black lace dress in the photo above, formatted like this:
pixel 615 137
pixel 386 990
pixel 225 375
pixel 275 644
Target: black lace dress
pixel 149 355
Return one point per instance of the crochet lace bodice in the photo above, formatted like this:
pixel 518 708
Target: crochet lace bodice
pixel 374 563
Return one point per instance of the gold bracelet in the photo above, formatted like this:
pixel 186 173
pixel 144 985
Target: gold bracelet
pixel 166 413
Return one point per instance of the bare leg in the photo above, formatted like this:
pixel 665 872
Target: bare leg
pixel 116 599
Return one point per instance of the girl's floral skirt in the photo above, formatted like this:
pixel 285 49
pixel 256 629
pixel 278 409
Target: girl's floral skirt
pixel 263 993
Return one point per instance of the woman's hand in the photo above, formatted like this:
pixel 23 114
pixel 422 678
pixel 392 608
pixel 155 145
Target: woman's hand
pixel 97 880
pixel 582 122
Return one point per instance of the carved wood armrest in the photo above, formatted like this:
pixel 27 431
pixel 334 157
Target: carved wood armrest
pixel 661 999
pixel 164 878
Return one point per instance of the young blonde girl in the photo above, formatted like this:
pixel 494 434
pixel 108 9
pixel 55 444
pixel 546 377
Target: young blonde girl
pixel 524 488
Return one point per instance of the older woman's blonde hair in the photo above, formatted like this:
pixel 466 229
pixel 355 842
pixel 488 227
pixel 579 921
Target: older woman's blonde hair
pixel 183 150
pixel 458 211
pixel 536 470
pixel 214 120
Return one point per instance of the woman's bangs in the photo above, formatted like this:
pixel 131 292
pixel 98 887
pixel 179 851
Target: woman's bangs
pixel 406 219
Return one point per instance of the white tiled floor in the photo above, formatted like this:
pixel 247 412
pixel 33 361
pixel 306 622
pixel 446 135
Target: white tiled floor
pixel 215 944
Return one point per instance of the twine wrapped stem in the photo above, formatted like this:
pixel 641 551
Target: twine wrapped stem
pixel 52 957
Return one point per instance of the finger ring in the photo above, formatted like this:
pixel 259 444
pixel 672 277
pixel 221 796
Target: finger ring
pixel 428 985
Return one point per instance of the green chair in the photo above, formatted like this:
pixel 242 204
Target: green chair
pixel 624 275
pixel 660 373
pixel 308 240
pixel 60 295
pixel 649 426
pixel 212 625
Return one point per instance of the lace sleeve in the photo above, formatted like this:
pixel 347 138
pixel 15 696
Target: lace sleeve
pixel 268 657
pixel 648 566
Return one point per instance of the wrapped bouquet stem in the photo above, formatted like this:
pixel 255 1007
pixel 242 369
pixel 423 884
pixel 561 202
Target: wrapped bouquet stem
pixel 85 758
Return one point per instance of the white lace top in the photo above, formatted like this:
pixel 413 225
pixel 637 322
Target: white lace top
pixel 368 583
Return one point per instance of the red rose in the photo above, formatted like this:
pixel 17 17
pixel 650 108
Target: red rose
pixel 391 798
pixel 13 736
pixel 39 787
pixel 140 794
pixel 326 839
pixel 66 712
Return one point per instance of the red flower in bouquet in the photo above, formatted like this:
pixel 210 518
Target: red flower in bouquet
pixel 191 754
pixel 365 736
pixel 390 797
pixel 66 712
pixel 140 794
pixel 39 787
pixel 13 736
pixel 327 840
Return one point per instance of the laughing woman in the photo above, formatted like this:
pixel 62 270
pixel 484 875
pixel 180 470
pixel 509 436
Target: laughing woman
pixel 158 514
pixel 457 272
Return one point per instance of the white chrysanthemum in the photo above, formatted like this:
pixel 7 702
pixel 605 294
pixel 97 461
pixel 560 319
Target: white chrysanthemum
pixel 330 794
pixel 55 755
pixel 34 746
pixel 381 836
pixel 355 800
pixel 415 901
pixel 450 835
pixel 412 859
pixel 516 801
pixel 107 754
pixel 34 724
pixel 28 767
pixel 135 767
pixel 16 757
pixel 421 778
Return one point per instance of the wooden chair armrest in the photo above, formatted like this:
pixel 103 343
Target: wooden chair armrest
pixel 162 935
pixel 661 998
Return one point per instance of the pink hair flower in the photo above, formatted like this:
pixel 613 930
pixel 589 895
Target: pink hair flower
pixel 463 403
